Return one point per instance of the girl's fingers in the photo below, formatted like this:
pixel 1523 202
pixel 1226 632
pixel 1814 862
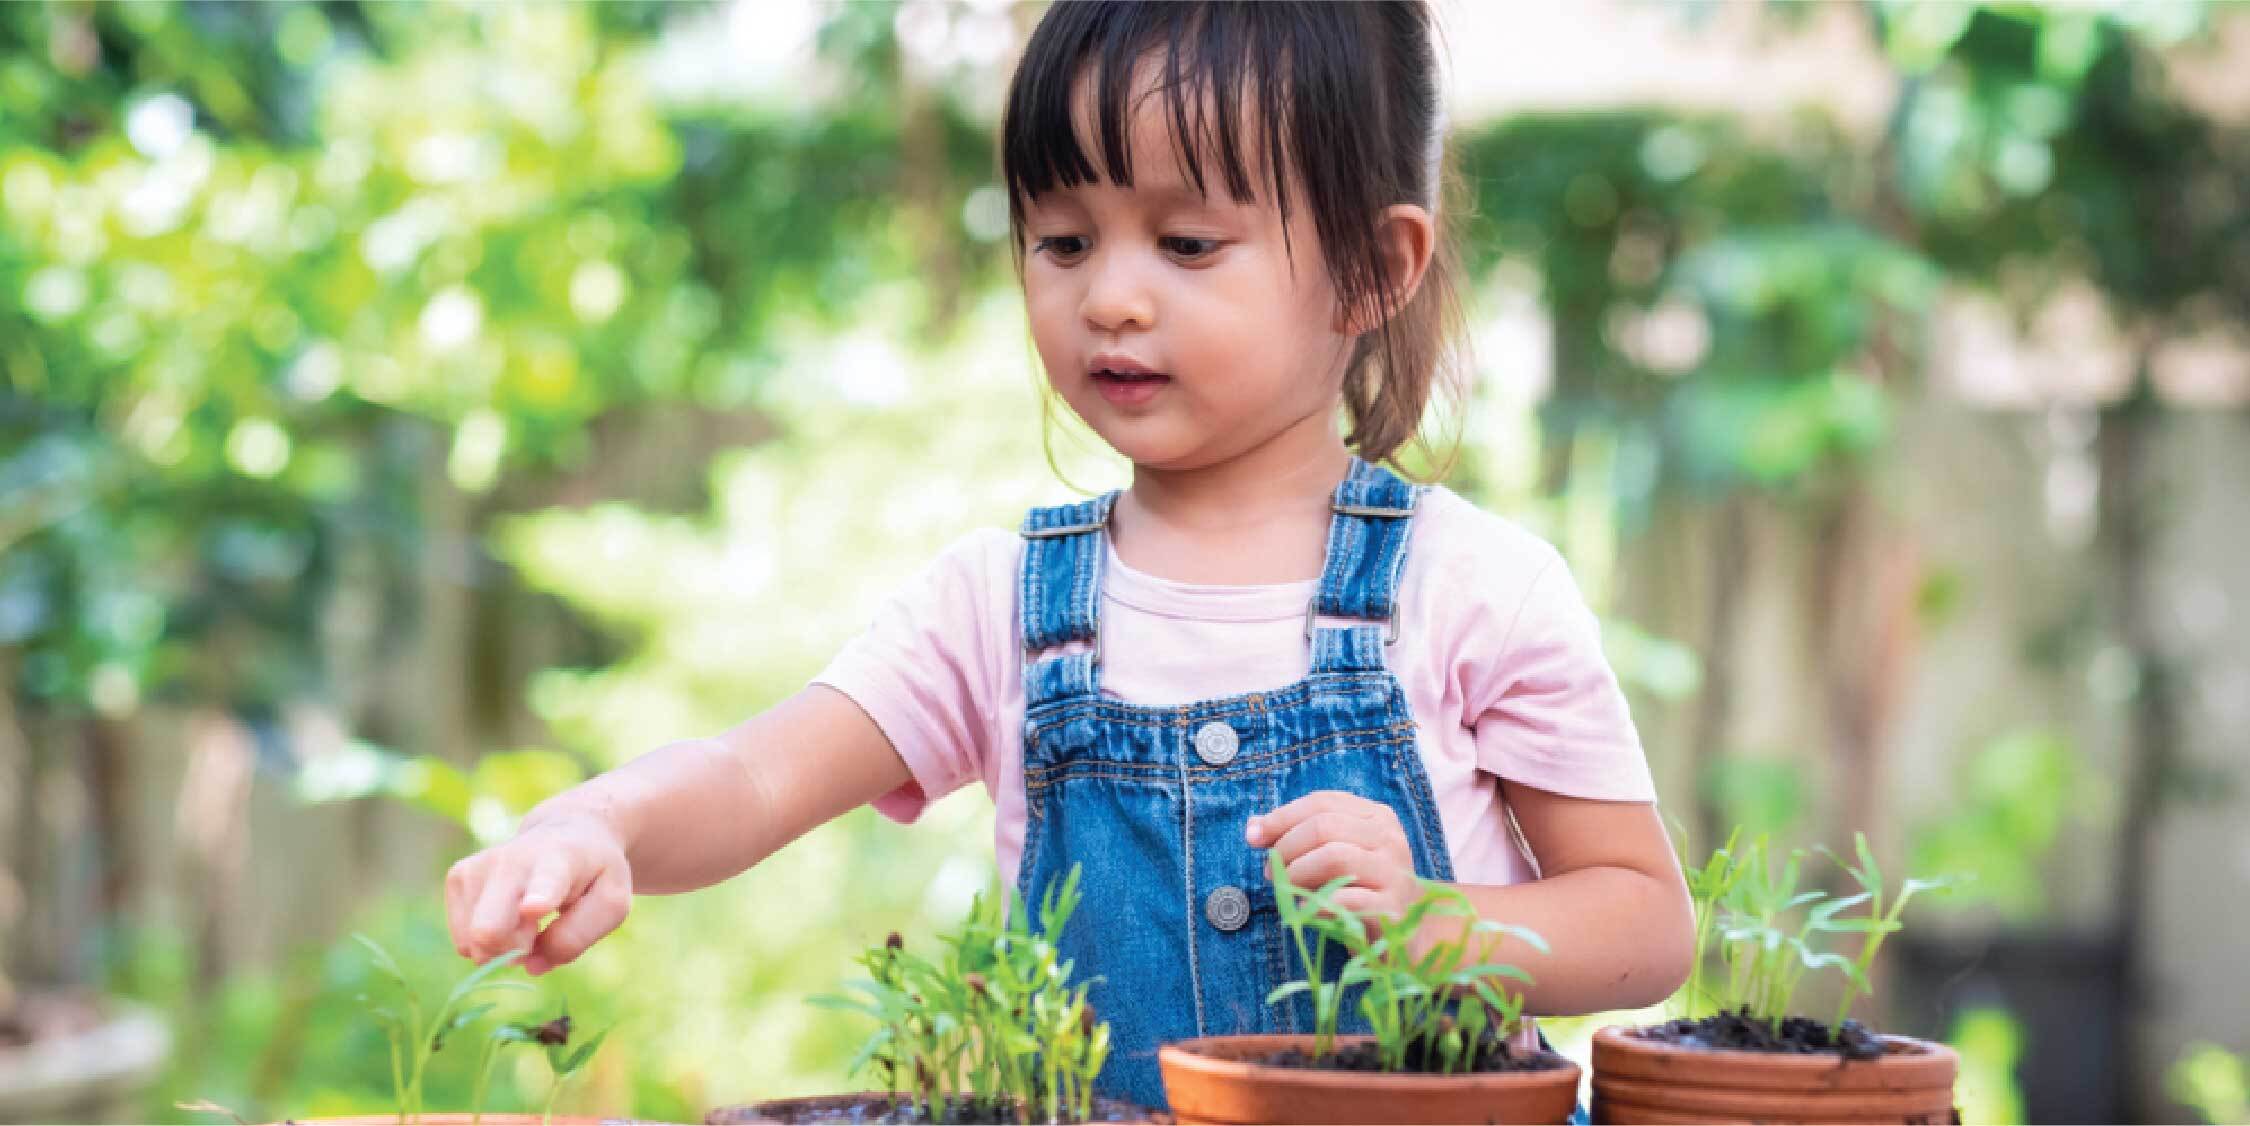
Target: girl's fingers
pixel 497 922
pixel 1332 826
pixel 1361 901
pixel 583 923
pixel 1337 858
pixel 462 883
pixel 549 887
pixel 1268 828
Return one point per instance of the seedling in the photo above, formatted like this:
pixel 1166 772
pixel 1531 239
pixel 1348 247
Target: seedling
pixel 1771 936
pixel 553 1039
pixel 1443 1010
pixel 991 1027
pixel 1880 923
pixel 1707 885
pixel 415 1036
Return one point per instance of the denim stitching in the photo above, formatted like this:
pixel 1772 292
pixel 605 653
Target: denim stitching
pixel 1030 609
pixel 1319 683
pixel 1426 817
pixel 1072 770
pixel 1066 769
pixel 1110 711
pixel 1277 936
pixel 1401 536
pixel 1187 884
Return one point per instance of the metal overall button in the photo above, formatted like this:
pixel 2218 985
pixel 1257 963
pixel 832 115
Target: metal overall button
pixel 1216 743
pixel 1227 908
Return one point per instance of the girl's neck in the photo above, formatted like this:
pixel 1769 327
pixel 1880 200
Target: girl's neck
pixel 1258 517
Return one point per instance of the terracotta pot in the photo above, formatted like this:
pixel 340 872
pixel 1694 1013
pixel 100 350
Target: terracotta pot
pixel 1638 1079
pixel 1211 1081
pixel 788 1110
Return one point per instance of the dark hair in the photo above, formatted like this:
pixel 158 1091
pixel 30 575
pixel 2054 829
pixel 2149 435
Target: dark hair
pixel 1346 94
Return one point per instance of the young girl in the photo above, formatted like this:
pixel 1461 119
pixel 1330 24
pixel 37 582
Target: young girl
pixel 1226 238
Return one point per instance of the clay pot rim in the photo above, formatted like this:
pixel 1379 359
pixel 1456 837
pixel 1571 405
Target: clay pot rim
pixel 1196 1055
pixel 1634 1040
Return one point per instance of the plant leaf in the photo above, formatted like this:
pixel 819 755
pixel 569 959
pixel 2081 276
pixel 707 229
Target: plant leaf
pixel 477 977
pixel 1512 973
pixel 1528 936
pixel 383 960
pixel 585 1052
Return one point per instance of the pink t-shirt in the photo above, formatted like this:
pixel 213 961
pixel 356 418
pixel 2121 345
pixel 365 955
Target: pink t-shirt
pixel 1499 656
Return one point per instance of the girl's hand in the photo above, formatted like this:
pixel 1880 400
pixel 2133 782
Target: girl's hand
pixel 1331 833
pixel 568 862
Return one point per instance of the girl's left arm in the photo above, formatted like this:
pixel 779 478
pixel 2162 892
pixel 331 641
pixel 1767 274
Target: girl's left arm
pixel 1610 901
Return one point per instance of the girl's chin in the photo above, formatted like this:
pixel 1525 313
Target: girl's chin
pixel 1144 442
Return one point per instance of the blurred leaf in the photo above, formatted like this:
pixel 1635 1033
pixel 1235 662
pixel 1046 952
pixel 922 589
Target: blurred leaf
pixel 522 779
pixel 2213 1081
pixel 1761 795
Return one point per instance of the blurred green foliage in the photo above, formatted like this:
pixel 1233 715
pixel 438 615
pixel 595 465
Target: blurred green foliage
pixel 2012 799
pixel 1990 1042
pixel 2213 1081
pixel 287 286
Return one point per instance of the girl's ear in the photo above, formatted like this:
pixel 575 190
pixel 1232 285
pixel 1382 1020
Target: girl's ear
pixel 1406 237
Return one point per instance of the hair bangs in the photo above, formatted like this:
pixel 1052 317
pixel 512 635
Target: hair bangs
pixel 1216 82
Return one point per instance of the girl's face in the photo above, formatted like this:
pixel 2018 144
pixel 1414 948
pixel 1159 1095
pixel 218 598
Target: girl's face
pixel 1184 328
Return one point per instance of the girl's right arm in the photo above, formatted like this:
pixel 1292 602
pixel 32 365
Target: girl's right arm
pixel 683 816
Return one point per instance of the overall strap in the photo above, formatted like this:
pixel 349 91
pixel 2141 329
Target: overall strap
pixel 1366 553
pixel 1065 549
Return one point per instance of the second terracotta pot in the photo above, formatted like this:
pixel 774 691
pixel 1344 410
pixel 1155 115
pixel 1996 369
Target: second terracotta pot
pixel 1213 1081
pixel 1639 1079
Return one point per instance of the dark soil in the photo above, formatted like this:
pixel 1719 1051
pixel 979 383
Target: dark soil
pixel 1492 1054
pixel 882 1108
pixel 1741 1032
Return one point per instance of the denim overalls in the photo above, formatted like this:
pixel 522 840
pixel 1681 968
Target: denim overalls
pixel 1178 922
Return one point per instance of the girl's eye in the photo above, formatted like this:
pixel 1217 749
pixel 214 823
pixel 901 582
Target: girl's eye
pixel 1188 246
pixel 1061 246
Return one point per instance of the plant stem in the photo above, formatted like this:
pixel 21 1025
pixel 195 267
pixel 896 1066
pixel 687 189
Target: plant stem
pixel 398 1080
pixel 484 1077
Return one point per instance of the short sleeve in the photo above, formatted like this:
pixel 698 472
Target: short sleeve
pixel 927 670
pixel 1544 704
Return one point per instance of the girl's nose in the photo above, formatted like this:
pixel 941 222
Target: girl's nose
pixel 1116 296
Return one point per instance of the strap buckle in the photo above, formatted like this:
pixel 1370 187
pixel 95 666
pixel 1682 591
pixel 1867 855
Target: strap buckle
pixel 1370 510
pixel 1100 522
pixel 1390 630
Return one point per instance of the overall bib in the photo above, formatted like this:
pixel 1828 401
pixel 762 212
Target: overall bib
pixel 1178 926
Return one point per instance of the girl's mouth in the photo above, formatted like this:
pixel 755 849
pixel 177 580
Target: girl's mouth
pixel 1129 387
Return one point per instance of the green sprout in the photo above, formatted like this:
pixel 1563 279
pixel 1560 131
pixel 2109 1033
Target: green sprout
pixel 553 1039
pixel 1441 1010
pixel 1879 922
pixel 1770 935
pixel 1707 885
pixel 992 1025
pixel 417 1036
